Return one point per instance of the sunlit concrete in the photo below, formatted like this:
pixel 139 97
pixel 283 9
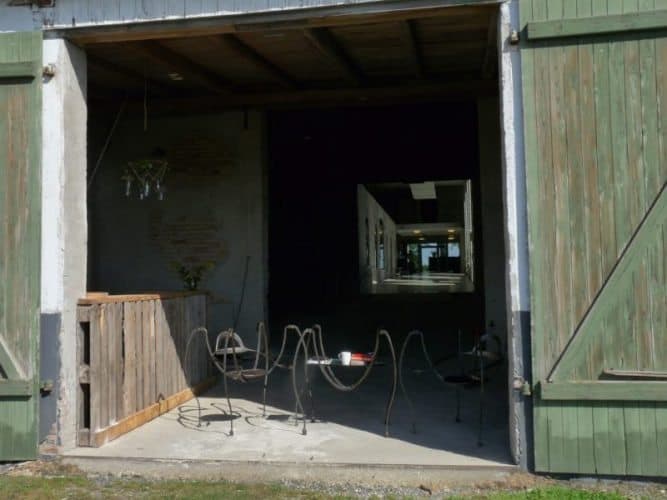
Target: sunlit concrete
pixel 348 428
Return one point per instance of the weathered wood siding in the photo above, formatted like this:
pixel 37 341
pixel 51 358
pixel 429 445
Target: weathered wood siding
pixel 596 157
pixel 132 355
pixel 20 181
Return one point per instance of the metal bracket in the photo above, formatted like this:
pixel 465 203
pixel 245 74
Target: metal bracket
pixel 522 385
pixel 46 386
pixel 49 70
pixel 515 38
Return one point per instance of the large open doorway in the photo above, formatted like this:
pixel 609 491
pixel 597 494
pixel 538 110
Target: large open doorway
pixel 346 174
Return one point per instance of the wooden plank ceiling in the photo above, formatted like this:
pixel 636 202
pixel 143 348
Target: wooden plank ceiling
pixel 451 52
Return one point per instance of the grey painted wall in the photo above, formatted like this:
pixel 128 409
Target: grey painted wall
pixel 493 224
pixel 214 213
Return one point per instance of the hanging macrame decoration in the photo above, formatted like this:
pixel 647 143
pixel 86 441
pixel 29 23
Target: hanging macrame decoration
pixel 147 176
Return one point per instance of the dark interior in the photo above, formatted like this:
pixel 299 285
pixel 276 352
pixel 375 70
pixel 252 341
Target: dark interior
pixel 317 158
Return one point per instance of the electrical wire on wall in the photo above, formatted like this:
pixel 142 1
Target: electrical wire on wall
pixel 100 157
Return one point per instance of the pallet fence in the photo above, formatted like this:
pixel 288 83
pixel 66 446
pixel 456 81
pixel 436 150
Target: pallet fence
pixel 132 360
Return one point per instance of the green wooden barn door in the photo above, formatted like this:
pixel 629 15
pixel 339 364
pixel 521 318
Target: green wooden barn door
pixel 20 151
pixel 595 109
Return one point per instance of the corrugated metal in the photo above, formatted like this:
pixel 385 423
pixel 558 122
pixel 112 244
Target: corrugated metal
pixel 69 13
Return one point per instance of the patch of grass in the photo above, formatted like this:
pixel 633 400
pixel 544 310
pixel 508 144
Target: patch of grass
pixel 80 487
pixel 554 493
pixel 21 487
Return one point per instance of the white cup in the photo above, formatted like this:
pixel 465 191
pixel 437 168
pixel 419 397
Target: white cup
pixel 345 357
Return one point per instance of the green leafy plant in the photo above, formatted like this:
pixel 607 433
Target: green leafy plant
pixel 191 276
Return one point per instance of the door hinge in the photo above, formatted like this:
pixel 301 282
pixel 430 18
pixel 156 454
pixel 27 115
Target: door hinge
pixel 522 385
pixel 46 386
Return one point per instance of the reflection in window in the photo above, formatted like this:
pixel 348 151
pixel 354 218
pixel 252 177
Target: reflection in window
pixel 368 244
pixel 380 247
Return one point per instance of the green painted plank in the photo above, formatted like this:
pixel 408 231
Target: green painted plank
pixel 604 390
pixel 19 439
pixel 541 435
pixel 601 439
pixel 19 70
pixel 556 425
pixel 8 364
pixel 586 438
pixel 619 143
pixel 608 299
pixel 20 195
pixel 616 441
pixel 603 152
pixel 577 296
pixel 16 388
pixel 590 165
pixel 570 459
pixel 624 23
pixel 661 89
pixel 661 440
pixel 649 439
pixel 633 439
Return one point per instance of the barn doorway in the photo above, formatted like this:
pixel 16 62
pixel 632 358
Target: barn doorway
pixel 273 135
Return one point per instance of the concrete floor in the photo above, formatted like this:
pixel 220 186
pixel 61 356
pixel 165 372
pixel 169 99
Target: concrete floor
pixel 348 429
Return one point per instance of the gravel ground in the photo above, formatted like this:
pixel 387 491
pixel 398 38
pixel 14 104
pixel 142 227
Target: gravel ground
pixel 51 467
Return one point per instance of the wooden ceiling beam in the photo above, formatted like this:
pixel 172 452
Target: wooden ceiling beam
pixel 326 44
pixel 234 43
pixel 178 63
pixel 410 38
pixel 135 76
pixel 490 61
pixel 298 19
pixel 426 91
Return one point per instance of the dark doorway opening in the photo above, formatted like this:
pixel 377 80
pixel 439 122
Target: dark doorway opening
pixel 317 159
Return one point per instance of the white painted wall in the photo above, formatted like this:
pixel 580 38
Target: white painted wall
pixel 369 209
pixel 64 228
pixel 516 234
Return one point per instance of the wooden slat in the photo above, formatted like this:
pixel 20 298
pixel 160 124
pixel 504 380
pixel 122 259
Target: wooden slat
pixel 636 374
pixel 604 390
pixel 324 41
pixel 348 14
pixel 16 388
pixel 97 298
pixel 113 362
pixel 262 62
pixel 139 353
pixel 146 347
pixel 161 330
pixel 19 70
pixel 96 367
pixel 130 368
pixel 411 40
pixel 650 226
pixel 178 63
pixel 624 23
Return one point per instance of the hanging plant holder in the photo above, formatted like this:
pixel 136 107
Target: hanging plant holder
pixel 147 176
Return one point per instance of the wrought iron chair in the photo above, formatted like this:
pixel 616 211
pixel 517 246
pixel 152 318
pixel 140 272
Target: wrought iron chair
pixel 227 358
